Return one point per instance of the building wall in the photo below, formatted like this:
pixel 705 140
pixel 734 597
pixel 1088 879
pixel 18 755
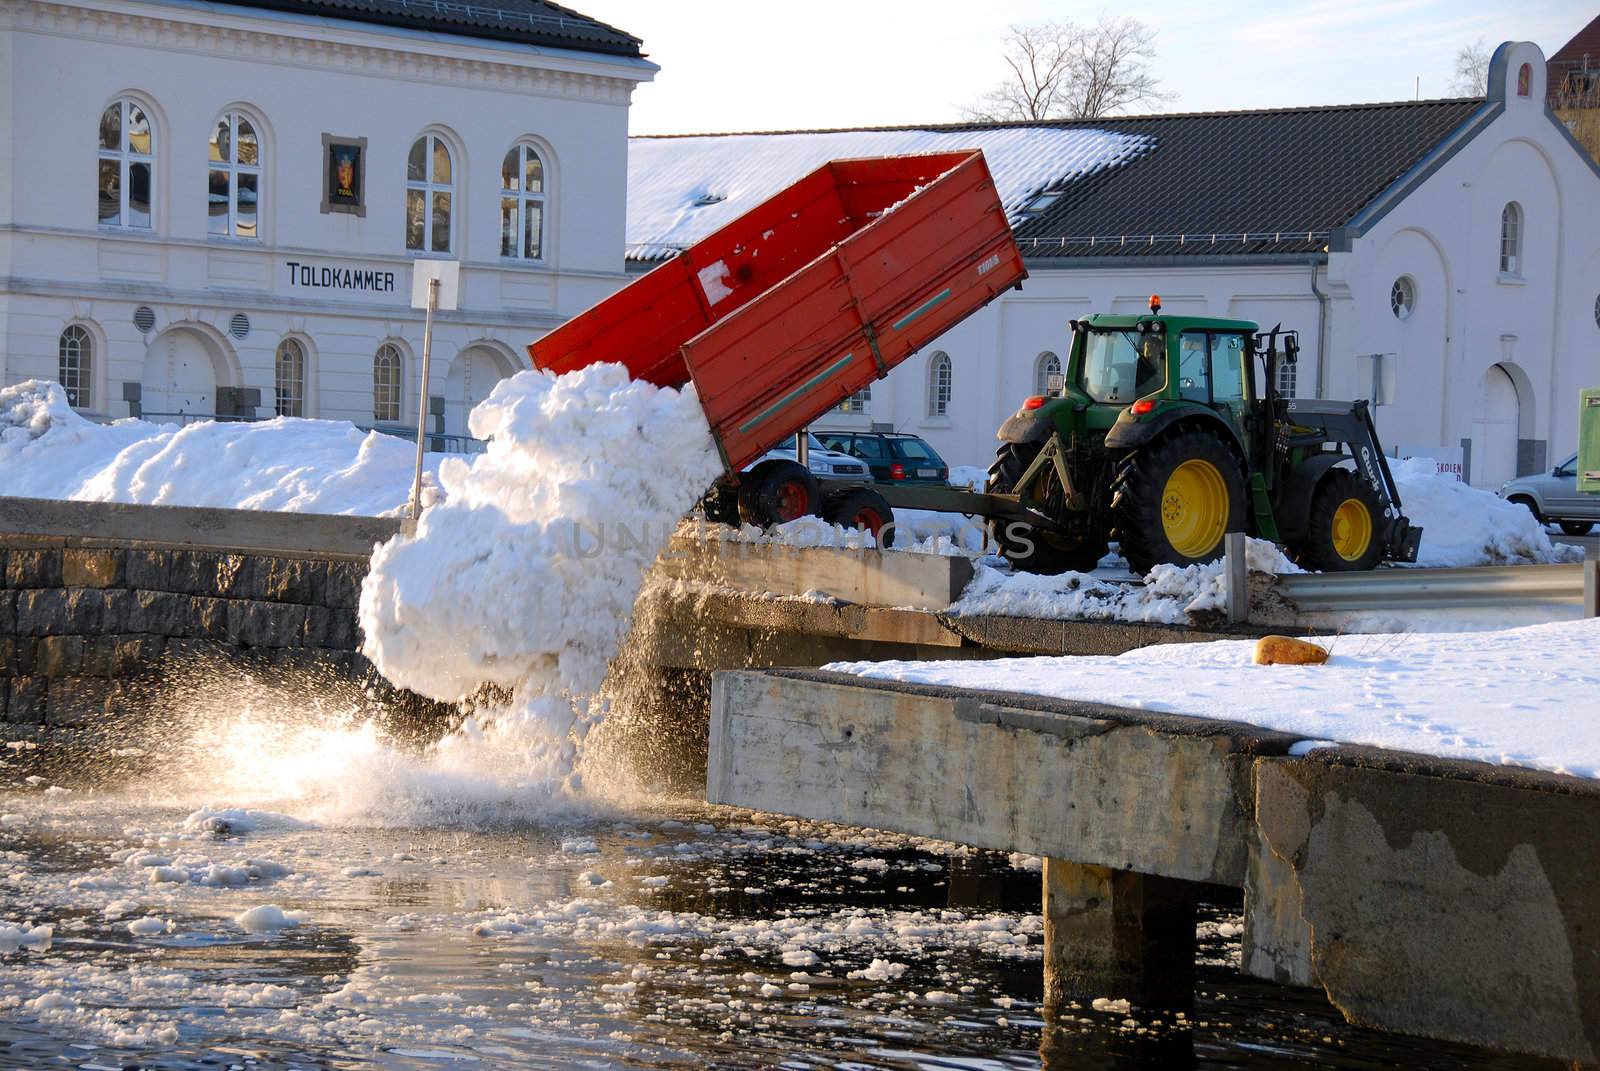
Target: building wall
pixel 297 79
pixel 1493 357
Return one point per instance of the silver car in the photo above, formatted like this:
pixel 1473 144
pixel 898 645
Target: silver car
pixel 1554 498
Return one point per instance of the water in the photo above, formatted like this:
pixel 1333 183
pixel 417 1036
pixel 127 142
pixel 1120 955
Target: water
pixel 660 934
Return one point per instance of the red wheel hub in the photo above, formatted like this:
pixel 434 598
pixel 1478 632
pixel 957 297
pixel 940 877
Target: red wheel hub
pixel 793 500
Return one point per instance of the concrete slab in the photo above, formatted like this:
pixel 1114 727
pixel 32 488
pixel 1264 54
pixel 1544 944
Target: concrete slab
pixel 1445 899
pixel 863 577
pixel 1096 785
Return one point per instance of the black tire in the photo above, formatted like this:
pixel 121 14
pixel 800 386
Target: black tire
pixel 775 492
pixel 1024 546
pixel 1576 527
pixel 862 508
pixel 1530 504
pixel 721 503
pixel 1327 528
pixel 1141 494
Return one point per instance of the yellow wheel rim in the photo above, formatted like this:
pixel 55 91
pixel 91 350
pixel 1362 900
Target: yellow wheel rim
pixel 1194 508
pixel 1352 529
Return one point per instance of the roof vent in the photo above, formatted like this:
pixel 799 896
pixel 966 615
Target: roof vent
pixel 239 326
pixel 144 318
pixel 705 200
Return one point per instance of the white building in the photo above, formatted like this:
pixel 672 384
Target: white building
pixel 213 208
pixel 1452 239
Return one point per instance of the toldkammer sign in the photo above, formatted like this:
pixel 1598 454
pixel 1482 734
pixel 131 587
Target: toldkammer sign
pixel 327 277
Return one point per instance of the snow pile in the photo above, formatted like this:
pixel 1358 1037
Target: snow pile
pixel 1171 594
pixel 1463 525
pixel 526 574
pixel 307 466
pixel 680 189
pixel 24 935
pixel 970 476
pixel 1416 692
pixel 267 918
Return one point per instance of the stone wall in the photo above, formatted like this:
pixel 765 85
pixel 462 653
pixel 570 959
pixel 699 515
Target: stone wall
pixel 91 631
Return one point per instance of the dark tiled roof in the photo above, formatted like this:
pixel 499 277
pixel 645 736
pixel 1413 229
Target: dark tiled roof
pixel 528 22
pixel 1586 42
pixel 1241 182
pixel 1572 71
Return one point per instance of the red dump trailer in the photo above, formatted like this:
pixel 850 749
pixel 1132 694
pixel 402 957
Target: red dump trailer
pixel 807 298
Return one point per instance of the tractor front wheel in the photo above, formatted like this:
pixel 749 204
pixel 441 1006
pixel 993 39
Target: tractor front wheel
pixel 1174 501
pixel 1029 548
pixel 1342 531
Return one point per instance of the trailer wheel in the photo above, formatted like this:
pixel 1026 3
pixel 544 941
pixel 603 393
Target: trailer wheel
pixel 1026 547
pixel 1174 501
pixel 721 503
pixel 776 492
pixel 1576 528
pixel 1342 533
pixel 862 508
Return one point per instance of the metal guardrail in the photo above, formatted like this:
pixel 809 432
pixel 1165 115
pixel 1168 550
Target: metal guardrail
pixel 1424 589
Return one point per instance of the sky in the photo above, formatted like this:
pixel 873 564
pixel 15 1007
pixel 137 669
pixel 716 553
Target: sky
pixel 767 65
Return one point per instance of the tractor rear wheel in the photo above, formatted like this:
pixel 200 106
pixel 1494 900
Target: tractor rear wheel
pixel 775 492
pixel 1342 531
pixel 1172 502
pixel 862 508
pixel 1026 547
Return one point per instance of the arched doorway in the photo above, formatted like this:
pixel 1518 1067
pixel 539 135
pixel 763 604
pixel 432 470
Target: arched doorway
pixel 1494 432
pixel 473 374
pixel 182 370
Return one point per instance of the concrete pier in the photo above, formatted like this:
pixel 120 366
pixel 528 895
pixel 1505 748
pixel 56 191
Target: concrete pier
pixel 1447 899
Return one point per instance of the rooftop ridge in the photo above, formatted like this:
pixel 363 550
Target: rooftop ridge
pixel 1067 124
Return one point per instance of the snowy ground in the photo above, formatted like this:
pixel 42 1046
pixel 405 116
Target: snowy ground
pixel 1525 697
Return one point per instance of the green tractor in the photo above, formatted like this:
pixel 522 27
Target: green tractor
pixel 1166 433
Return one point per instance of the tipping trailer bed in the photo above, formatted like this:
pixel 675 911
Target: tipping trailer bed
pixel 808 297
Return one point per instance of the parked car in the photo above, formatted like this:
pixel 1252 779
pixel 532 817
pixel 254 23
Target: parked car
pixel 1554 498
pixel 828 465
pixel 893 457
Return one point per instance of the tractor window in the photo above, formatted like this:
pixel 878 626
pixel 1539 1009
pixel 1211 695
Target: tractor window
pixel 1121 366
pixel 1227 368
pixel 1192 368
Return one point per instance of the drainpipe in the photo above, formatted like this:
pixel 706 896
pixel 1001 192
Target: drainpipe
pixel 1322 329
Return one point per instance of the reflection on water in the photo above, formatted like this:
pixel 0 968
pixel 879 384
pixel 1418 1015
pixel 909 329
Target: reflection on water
pixel 686 937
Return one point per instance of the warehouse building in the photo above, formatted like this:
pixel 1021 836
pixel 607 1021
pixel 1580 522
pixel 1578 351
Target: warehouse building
pixel 214 208
pixel 1437 257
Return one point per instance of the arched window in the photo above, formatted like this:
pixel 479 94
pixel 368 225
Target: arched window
pixel 522 204
pixel 127 163
pixel 386 383
pixel 939 384
pixel 290 378
pixel 430 189
pixel 1511 239
pixel 1046 366
pixel 234 174
pixel 75 370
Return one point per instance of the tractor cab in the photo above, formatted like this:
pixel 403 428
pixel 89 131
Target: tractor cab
pixel 1139 374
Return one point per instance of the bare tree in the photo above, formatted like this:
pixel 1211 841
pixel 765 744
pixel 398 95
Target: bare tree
pixel 1472 70
pixel 1063 70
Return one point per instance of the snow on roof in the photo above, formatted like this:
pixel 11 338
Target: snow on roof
pixel 680 189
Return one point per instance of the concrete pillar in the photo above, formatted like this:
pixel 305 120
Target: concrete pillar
pixel 1116 933
pixel 1277 938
